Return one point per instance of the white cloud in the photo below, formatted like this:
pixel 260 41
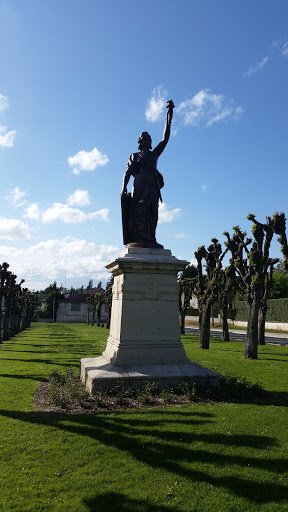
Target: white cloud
pixel 181 235
pixel 166 215
pixel 78 198
pixel 52 260
pixel 3 102
pixel 15 197
pixel 258 67
pixel 156 104
pixel 204 188
pixel 32 211
pixel 87 160
pixel 13 229
pixel 6 137
pixel 285 49
pixel 208 108
pixel 60 211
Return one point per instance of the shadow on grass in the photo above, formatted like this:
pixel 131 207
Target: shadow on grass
pixel 151 441
pixel 53 362
pixel 116 502
pixel 24 377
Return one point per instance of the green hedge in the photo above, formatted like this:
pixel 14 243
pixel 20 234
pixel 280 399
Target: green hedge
pixel 192 312
pixel 43 314
pixel 277 310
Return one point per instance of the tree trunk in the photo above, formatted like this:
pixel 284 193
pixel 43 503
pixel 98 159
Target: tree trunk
pixel 204 326
pixel 212 316
pixel 251 343
pixel 108 319
pixel 182 321
pixel 261 324
pixel 6 331
pixel 225 329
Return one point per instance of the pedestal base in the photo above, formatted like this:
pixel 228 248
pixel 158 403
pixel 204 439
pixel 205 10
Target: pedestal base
pixel 97 375
pixel 144 342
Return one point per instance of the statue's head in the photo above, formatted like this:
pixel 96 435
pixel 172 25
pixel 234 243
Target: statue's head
pixel 146 139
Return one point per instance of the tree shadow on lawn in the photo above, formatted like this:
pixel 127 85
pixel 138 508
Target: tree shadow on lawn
pixel 52 362
pixel 24 377
pixel 173 450
pixel 116 502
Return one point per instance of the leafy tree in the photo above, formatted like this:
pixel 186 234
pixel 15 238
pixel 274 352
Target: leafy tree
pixel 99 285
pixel 51 288
pixel 52 302
pixel 90 284
pixel 189 272
pixel 279 288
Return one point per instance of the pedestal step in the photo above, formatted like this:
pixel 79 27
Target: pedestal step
pixel 98 375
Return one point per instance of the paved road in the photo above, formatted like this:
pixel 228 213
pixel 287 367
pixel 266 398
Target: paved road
pixel 271 337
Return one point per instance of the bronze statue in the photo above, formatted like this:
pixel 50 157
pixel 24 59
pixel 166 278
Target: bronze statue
pixel 140 209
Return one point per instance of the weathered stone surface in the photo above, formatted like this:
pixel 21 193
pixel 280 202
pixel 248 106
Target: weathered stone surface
pixel 144 342
pixel 99 375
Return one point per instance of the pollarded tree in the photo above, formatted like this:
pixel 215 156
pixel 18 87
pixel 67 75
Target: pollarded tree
pixel 91 308
pixel 31 303
pixel 278 225
pixel 8 305
pixel 3 278
pixel 251 269
pixel 226 295
pixel 206 286
pixel 108 301
pixel 185 292
pixel 98 305
pixel 185 295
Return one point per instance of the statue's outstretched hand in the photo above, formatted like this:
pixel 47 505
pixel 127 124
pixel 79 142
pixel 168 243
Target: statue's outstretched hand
pixel 123 191
pixel 169 116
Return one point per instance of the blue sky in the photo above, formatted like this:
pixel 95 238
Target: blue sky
pixel 80 81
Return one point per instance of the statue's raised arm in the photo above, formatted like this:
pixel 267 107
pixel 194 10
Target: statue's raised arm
pixel 166 134
pixel 140 209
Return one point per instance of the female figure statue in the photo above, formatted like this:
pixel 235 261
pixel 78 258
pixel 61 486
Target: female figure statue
pixel 140 209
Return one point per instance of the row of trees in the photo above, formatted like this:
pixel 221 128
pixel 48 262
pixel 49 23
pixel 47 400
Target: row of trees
pixel 94 304
pixel 17 304
pixel 249 273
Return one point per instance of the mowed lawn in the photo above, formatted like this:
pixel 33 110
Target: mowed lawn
pixel 210 457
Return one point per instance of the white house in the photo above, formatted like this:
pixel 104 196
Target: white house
pixel 74 308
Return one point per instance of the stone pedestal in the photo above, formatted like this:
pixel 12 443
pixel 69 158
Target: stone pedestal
pixel 144 342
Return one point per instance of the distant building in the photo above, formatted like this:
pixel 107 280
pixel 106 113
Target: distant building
pixel 74 308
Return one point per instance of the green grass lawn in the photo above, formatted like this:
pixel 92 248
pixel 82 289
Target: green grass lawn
pixel 199 458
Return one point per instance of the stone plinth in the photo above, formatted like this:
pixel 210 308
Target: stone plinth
pixel 144 342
